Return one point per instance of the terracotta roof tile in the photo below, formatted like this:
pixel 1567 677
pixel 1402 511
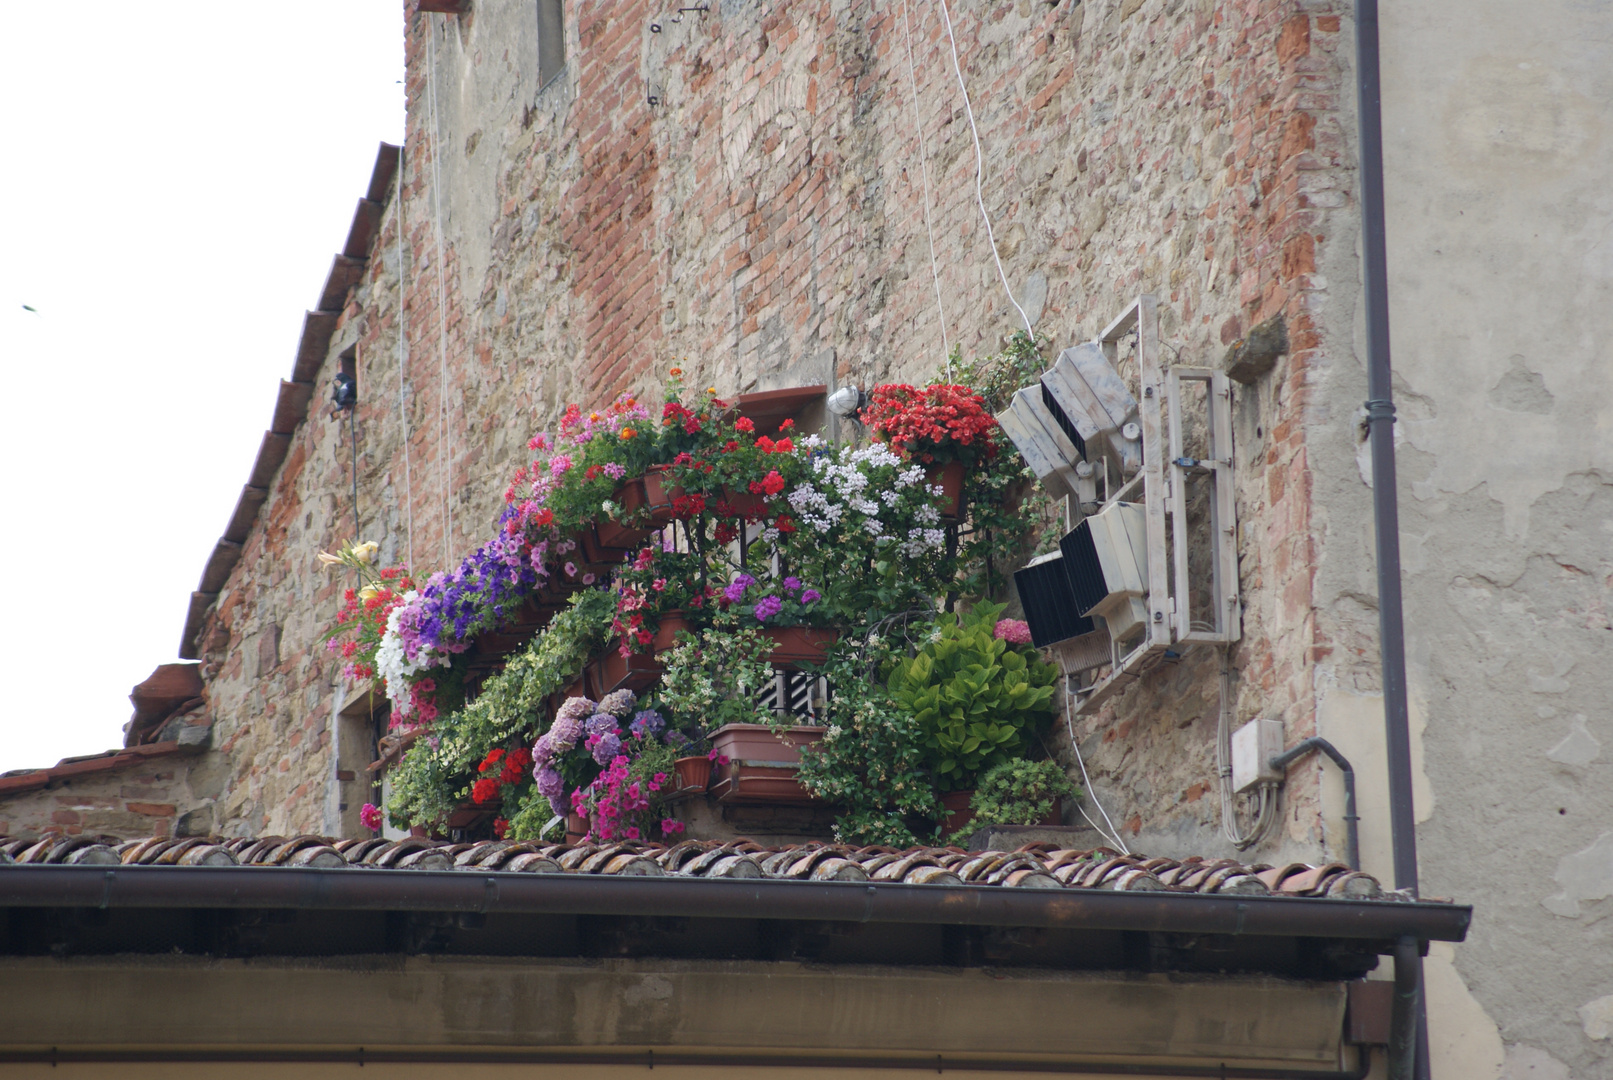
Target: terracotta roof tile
pixel 1034 866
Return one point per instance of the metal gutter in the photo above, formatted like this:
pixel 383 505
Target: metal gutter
pixel 649 1059
pixel 85 886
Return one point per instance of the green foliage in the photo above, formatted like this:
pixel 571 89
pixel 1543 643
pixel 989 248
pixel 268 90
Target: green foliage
pixel 871 761
pixel 979 700
pixel 534 817
pixel 1019 793
pixel 712 678
pixel 437 771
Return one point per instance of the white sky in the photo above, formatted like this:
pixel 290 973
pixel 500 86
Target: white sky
pixel 174 181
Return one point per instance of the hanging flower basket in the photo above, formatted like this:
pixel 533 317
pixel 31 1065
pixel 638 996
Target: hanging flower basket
pixel 634 672
pixel 635 500
pixel 950 477
pixel 745 504
pixel 761 766
pixel 801 644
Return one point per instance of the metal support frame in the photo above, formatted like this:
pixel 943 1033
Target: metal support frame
pixel 1163 494
pixel 1226 624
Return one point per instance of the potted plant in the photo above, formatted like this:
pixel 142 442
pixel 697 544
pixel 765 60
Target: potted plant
pixel 1017 792
pixel 790 614
pixel 943 426
pixel 980 700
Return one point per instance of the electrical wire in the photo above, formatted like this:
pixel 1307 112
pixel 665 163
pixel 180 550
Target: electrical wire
pixel 980 170
pixel 403 365
pixel 924 175
pixel 1266 806
pixel 445 458
pixel 1112 834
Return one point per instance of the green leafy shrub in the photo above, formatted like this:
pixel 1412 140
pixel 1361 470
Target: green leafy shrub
pixel 979 700
pixel 1019 793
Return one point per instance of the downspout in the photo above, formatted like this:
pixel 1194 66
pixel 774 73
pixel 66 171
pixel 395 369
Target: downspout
pixel 1380 416
pixel 1352 833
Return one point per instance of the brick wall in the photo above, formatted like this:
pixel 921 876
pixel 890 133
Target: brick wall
pixel 763 224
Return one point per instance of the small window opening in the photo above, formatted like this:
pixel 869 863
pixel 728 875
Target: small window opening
pixel 551 41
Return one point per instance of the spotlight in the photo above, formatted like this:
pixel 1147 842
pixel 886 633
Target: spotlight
pixel 344 390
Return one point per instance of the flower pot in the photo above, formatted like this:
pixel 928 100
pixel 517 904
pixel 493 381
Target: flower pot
pixel 958 812
pixel 950 477
pixel 800 644
pixel 694 773
pixel 745 504
pixel 654 494
pixel 762 766
pixel 598 557
pixel 576 828
pixel 634 672
pixel 616 536
pixel 666 633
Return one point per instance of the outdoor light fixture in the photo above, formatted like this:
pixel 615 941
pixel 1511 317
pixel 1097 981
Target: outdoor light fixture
pixel 846 401
pixel 1051 609
pixel 344 390
pixel 1106 560
pixel 1089 401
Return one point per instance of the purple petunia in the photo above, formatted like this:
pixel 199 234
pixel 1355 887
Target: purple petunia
pixel 767 607
pixel 736 588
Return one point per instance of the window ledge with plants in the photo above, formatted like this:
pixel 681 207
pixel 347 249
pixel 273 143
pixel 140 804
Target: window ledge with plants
pixel 680 607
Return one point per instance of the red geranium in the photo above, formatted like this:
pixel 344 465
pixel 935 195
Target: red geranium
pixel 935 424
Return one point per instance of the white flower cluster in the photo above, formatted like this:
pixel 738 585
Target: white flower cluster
pixel 848 483
pixel 392 662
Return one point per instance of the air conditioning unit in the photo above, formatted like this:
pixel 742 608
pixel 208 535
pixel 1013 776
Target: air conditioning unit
pixel 1089 400
pixel 1051 608
pixel 1105 558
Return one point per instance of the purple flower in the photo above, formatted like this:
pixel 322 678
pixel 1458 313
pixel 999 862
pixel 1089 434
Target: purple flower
pixel 736 588
pixel 767 607
pixel 615 470
pixel 571 569
pixel 550 784
pixel 648 724
pixel 575 709
pixel 617 703
pixel 600 723
pixel 811 596
pixel 792 585
pixel 609 745
pixel 542 753
pixel 565 734
pixel 676 739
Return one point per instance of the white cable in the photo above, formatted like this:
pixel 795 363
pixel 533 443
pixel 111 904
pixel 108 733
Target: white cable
pixel 924 174
pixel 445 456
pixel 980 170
pixel 1267 804
pixel 1112 834
pixel 403 366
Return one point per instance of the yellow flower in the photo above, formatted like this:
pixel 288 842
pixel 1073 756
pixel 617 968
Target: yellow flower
pixel 628 433
pixel 367 593
pixel 366 552
pixel 594 417
pixel 327 560
pixel 712 390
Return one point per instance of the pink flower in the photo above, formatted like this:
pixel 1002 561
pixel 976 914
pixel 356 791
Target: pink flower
pixel 659 584
pixel 559 464
pixel 1013 631
pixel 370 816
pixel 671 826
pixel 571 569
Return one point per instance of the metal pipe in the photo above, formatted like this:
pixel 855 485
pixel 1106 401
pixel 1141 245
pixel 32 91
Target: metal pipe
pixel 650 1058
pixel 1380 414
pixel 260 887
pixel 1352 835
pixel 1405 1018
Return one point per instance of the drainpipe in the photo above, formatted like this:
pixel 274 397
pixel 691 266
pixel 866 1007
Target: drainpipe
pixel 1380 415
pixel 1352 841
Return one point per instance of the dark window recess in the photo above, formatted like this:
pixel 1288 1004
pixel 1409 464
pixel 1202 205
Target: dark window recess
pixel 551 41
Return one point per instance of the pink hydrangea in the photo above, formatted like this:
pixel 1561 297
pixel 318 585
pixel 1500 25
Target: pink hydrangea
pixel 1013 631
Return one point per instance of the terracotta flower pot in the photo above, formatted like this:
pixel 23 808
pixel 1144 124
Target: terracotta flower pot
pixel 634 672
pixel 762 766
pixel 950 476
pixel 666 633
pixel 694 773
pixel 655 494
pixel 745 504
pixel 958 812
pixel 800 644
pixel 598 557
pixel 576 828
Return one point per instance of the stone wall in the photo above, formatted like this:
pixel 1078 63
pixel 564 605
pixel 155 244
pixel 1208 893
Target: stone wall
pixel 160 789
pixel 763 224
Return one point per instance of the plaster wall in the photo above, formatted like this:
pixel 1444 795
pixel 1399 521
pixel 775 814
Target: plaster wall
pixel 1500 227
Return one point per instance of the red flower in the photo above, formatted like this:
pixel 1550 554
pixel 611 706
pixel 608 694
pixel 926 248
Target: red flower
pixel 726 533
pixel 500 827
pixel 773 483
pixel 764 444
pixel 543 517
pixel 784 524
pixel 744 423
pixel 484 791
pixel 687 506
pixel 783 446
pixel 787 425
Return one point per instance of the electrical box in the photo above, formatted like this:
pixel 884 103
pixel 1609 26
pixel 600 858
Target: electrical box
pixel 1253 747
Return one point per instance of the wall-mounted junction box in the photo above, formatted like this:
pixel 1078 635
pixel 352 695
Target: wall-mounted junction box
pixel 1253 747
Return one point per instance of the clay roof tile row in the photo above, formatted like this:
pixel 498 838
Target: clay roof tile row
pixel 1041 866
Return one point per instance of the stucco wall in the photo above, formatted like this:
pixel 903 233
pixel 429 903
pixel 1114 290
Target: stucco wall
pixel 1500 231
